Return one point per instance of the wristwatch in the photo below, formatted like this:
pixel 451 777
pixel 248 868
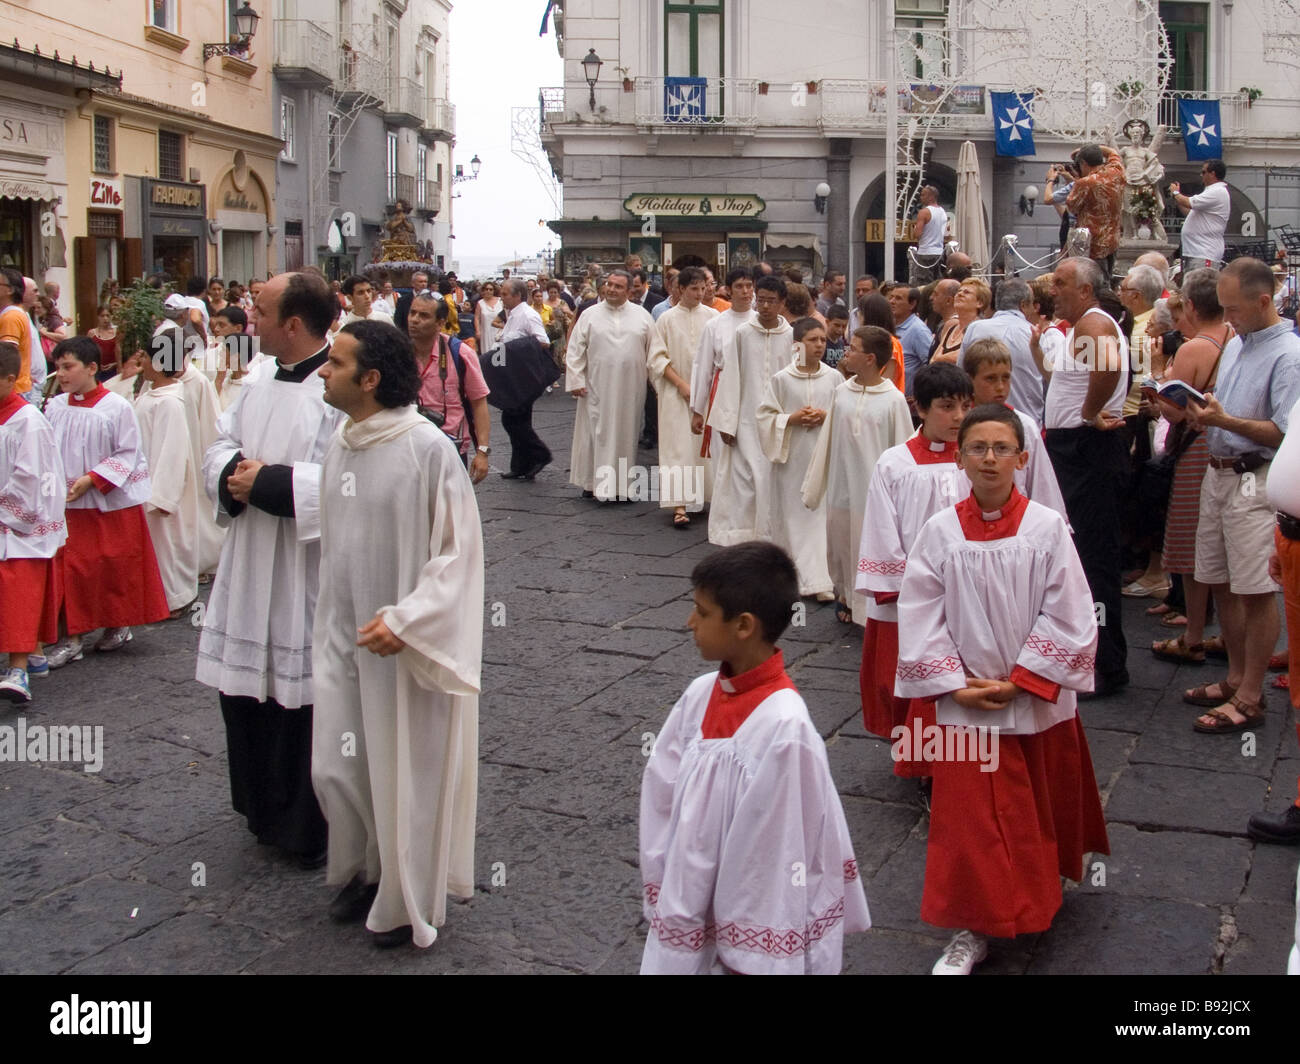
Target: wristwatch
pixel 484 449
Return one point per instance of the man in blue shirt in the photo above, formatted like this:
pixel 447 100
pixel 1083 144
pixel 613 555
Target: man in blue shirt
pixel 910 330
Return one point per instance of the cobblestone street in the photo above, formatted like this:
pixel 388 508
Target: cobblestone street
pixel 585 652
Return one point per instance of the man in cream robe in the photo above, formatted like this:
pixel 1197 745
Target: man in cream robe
pixel 264 475
pixel 606 361
pixel 684 478
pixel 395 751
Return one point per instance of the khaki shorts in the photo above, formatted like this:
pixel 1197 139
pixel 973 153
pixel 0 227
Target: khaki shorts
pixel 1234 536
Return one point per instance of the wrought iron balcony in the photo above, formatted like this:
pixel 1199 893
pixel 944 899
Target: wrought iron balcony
pixel 404 102
pixel 440 118
pixel 304 52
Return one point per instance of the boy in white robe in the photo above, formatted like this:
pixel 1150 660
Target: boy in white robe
pixel 32 528
pixel 714 341
pixel 684 477
pixel 746 861
pixel 759 349
pixel 996 622
pixel 396 649
pixel 172 511
pixel 988 361
pixel 868 415
pixel 913 482
pixel 795 402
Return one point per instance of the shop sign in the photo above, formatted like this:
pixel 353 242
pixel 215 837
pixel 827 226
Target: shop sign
pixel 186 196
pixel 693 205
pixel 106 192
pixel 33 190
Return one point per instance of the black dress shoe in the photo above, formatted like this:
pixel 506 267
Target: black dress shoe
pixel 1275 827
pixel 532 473
pixel 353 901
pixel 588 494
pixel 1104 688
pixel 398 936
pixel 309 862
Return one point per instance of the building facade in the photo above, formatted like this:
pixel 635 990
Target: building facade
pixel 361 99
pixel 711 125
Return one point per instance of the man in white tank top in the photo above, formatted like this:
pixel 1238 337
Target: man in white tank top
pixel 927 230
pixel 1085 398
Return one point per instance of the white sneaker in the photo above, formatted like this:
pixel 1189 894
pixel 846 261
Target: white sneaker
pixel 113 638
pixel 965 951
pixel 37 666
pixel 64 653
pixel 13 686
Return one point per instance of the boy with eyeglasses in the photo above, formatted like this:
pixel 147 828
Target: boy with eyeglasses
pixel 996 622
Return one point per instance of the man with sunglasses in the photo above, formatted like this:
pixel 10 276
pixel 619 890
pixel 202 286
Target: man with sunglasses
pixel 1207 218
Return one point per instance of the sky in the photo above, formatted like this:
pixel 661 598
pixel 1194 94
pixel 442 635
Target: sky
pixel 498 63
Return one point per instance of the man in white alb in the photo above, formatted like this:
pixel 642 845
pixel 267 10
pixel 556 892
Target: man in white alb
pixel 927 230
pixel 1207 218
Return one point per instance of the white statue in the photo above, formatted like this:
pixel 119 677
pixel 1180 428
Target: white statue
pixel 1143 171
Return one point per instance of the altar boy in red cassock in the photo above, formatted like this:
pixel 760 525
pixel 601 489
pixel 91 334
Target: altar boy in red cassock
pixel 107 572
pixel 746 860
pixel 996 621
pixel 31 528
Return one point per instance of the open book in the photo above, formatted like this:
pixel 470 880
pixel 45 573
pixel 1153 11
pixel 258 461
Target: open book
pixel 1176 392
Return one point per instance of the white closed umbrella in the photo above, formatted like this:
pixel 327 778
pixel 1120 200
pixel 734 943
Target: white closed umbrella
pixel 972 233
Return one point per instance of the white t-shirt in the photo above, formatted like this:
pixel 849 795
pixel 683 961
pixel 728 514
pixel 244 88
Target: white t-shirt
pixel 1284 473
pixel 931 242
pixel 1205 225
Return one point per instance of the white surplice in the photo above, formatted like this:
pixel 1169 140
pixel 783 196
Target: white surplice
pixel 863 422
pixel 714 342
pixel 173 508
pixel 401 806
pixel 982 607
pixel 904 494
pixel 31 514
pixel 746 858
pixel 607 354
pixel 685 479
pixel 787 522
pixel 103 439
pixel 256 639
pixel 741 480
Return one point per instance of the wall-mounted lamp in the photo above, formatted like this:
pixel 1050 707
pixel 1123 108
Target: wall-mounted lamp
pixel 246 20
pixel 475 164
pixel 1027 199
pixel 591 65
pixel 821 194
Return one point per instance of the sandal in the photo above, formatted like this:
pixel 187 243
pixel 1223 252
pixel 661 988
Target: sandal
pixel 681 521
pixel 1200 696
pixel 1159 610
pixel 843 613
pixel 1178 650
pixel 1215 647
pixel 1174 620
pixel 1224 724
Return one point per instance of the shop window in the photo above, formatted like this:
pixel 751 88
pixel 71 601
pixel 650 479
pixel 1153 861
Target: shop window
pixel 924 22
pixel 163 14
pixel 171 155
pixel 1187 27
pixel 287 115
pixel 693 36
pixel 103 162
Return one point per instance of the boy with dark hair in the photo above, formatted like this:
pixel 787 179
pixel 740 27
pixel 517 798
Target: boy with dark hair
pixel 996 621
pixel 107 570
pixel 32 528
pixel 988 361
pixel 837 325
pixel 867 416
pixel 913 481
pixel 746 859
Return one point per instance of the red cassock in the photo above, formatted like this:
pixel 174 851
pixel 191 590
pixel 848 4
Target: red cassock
pixel 108 571
pixel 1002 595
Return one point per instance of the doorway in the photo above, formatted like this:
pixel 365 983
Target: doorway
pixel 695 249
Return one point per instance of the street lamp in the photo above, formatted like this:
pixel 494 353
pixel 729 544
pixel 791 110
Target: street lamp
pixel 591 65
pixel 821 194
pixel 246 20
pixel 475 164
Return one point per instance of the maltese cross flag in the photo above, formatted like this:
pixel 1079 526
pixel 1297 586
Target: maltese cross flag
pixel 1202 128
pixel 1013 123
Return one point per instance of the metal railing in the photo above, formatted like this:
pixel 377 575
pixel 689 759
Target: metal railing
pixel 406 187
pixel 304 45
pixel 674 103
pixel 405 96
pixel 360 69
pixel 1233 108
pixel 430 195
pixel 440 115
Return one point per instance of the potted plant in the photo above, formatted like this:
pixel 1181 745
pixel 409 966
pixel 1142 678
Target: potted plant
pixel 1128 90
pixel 140 312
pixel 762 88
pixel 1251 94
pixel 812 88
pixel 628 84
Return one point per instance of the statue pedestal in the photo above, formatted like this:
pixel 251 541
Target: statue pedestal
pixel 1130 248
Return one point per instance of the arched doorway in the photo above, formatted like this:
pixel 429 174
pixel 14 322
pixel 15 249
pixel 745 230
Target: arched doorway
pixel 1246 222
pixel 869 219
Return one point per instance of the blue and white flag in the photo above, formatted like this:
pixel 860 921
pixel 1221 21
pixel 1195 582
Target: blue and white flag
pixel 684 99
pixel 1012 122
pixel 1202 128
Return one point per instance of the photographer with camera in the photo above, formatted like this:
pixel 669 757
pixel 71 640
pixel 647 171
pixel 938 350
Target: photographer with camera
pixel 1065 175
pixel 1244 421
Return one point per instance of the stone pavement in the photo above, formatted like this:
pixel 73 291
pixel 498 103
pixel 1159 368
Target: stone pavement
pixel 100 873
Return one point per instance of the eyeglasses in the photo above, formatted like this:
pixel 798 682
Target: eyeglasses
pixel 1000 450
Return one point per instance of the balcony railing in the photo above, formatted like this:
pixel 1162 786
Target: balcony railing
pixel 691 103
pixel 303 49
pixel 440 116
pixel 405 97
pixel 406 187
pixel 429 194
pixel 1233 112
pixel 360 69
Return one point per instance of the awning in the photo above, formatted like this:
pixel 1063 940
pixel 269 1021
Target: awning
pixel 24 188
pixel 795 240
